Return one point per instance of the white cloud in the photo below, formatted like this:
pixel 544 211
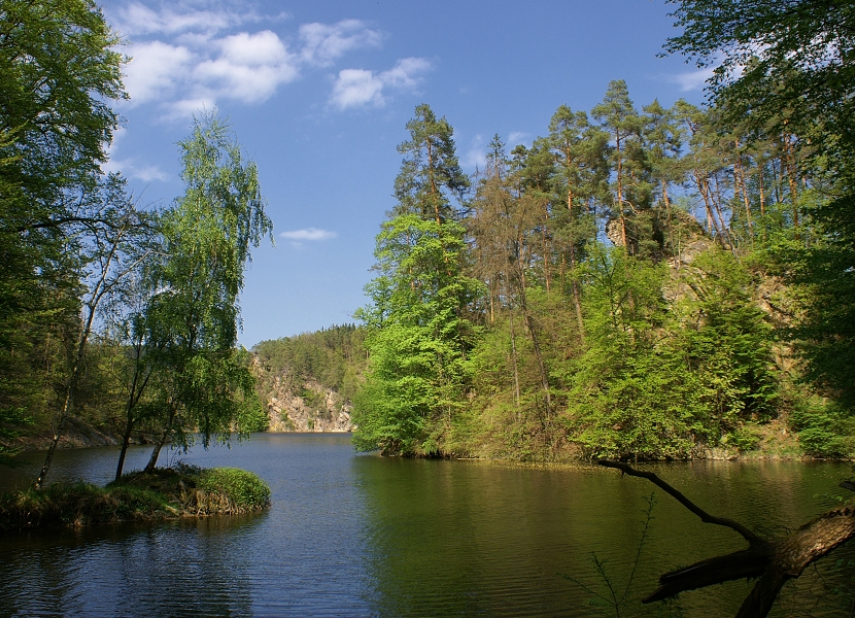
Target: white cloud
pixel 193 53
pixel 246 67
pixel 309 234
pixel 516 138
pixel 155 70
pixel 137 18
pixel 250 67
pixel 361 87
pixel 357 87
pixel 694 80
pixel 129 167
pixel 323 43
pixel 405 73
pixel 186 108
pixel 476 156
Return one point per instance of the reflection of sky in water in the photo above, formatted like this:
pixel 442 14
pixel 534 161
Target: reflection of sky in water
pixel 356 535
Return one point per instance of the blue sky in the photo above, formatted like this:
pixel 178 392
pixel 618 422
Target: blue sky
pixel 319 93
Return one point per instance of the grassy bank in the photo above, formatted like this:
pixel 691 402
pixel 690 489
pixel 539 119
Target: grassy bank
pixel 171 493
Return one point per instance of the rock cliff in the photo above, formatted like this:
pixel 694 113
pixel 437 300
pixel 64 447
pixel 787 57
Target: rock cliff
pixel 300 405
pixel 311 408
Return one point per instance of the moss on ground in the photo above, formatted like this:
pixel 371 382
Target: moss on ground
pixel 170 493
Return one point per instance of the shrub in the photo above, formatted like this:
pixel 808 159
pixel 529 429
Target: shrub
pixel 244 489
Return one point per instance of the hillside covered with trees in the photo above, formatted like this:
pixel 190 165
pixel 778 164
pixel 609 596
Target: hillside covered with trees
pixel 639 282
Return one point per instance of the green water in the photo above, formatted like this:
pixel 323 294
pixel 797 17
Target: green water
pixel 356 535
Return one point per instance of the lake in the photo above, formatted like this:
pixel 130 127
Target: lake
pixel 362 535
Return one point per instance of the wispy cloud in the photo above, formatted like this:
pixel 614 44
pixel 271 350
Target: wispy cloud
pixel 176 17
pixel 476 155
pixel 516 138
pixel 323 43
pixel 308 234
pixel 133 170
pixel 364 88
pixel 130 167
pixel 693 80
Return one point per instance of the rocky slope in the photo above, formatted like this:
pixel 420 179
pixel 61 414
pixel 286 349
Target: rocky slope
pixel 300 405
pixel 312 408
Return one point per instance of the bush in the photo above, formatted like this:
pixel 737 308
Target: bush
pixel 244 489
pixel 744 439
pixel 824 430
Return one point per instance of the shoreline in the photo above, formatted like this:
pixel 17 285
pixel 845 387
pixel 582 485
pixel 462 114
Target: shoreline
pixel 147 497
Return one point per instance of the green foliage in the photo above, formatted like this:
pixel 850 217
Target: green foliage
pixel 824 430
pixel 657 379
pixel 417 335
pixel 334 357
pixel 800 87
pixel 744 439
pixel 80 504
pixel 416 341
pixel 625 395
pixel 58 73
pixel 243 488
pixel 139 496
pixel 191 318
pixel 727 342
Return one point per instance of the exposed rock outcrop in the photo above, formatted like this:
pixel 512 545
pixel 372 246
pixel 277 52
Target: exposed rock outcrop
pixel 299 405
pixel 312 409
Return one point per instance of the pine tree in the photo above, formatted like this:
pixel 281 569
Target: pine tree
pixel 418 333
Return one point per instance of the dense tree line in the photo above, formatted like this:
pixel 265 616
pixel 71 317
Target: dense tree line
pixel 333 357
pixel 636 283
pixel 122 316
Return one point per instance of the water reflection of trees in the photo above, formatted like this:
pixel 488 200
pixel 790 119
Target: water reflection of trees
pixel 464 539
pixel 188 568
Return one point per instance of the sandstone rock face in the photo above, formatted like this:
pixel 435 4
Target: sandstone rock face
pixel 309 408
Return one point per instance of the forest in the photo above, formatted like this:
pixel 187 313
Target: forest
pixel 120 317
pixel 639 282
pixel 662 282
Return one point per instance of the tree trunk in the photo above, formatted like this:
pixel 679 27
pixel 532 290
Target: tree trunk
pixel 620 195
pixel 774 561
pixel 792 175
pixel 577 295
pixel 739 177
pixel 546 251
pixel 133 399
pixel 516 367
pixel 70 389
pixel 167 434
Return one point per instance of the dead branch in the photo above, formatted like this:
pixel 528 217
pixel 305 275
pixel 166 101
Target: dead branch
pixel 749 536
pixel 772 561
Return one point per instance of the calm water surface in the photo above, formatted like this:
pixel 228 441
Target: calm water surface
pixel 357 535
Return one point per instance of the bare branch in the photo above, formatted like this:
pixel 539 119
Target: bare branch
pixel 749 536
pixel 772 562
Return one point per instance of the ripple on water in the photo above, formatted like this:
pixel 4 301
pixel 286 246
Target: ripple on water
pixel 352 535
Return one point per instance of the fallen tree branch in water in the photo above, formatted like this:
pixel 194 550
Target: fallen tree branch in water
pixel 772 561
